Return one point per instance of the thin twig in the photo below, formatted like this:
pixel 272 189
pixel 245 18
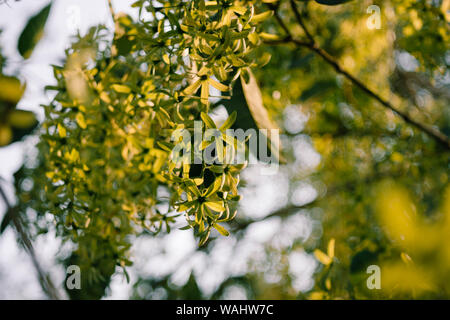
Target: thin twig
pixel 45 280
pixel 111 10
pixel 313 46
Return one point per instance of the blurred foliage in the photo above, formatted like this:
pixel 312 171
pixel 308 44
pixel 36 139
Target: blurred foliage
pixel 33 32
pixel 105 164
pixel 15 124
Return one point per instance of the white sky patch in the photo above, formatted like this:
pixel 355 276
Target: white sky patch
pixel 301 269
pixel 263 231
pixel 307 158
pixel 294 119
pixel 296 227
pixel 235 292
pixel 18 278
pixel 406 61
pixel 303 194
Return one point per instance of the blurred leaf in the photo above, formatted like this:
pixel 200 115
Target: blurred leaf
pixel 247 102
pixel 331 247
pixel 5 135
pixel 397 214
pixel 124 45
pixel 322 257
pixel 22 119
pixel 221 230
pixel 11 91
pixel 33 32
pixel 319 87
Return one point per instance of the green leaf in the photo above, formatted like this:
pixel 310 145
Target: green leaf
pixel 215 206
pixel 11 91
pixel 80 120
pixel 22 123
pixel 207 120
pixel 165 145
pixel 221 230
pixel 127 276
pixel 185 205
pixel 192 187
pixel 322 257
pixel 33 32
pixel 22 119
pixel 5 135
pixel 255 104
pixel 18 124
pixel 214 187
pixel 204 238
pixel 257 18
pixel 191 89
pixel 120 88
pixel 124 45
pixel 219 86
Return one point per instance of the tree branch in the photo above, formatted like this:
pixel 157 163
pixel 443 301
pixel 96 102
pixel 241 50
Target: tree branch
pixel 44 279
pixel 313 46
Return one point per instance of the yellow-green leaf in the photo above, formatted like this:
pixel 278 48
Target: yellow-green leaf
pixel 207 120
pixel 330 250
pixel 215 206
pixel 81 121
pixel 322 257
pixel 62 131
pixel 22 119
pixel 219 86
pixel 120 88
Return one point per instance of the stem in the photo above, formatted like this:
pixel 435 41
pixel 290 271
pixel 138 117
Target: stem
pixel 111 10
pixel 44 279
pixel 312 45
pixel 299 18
